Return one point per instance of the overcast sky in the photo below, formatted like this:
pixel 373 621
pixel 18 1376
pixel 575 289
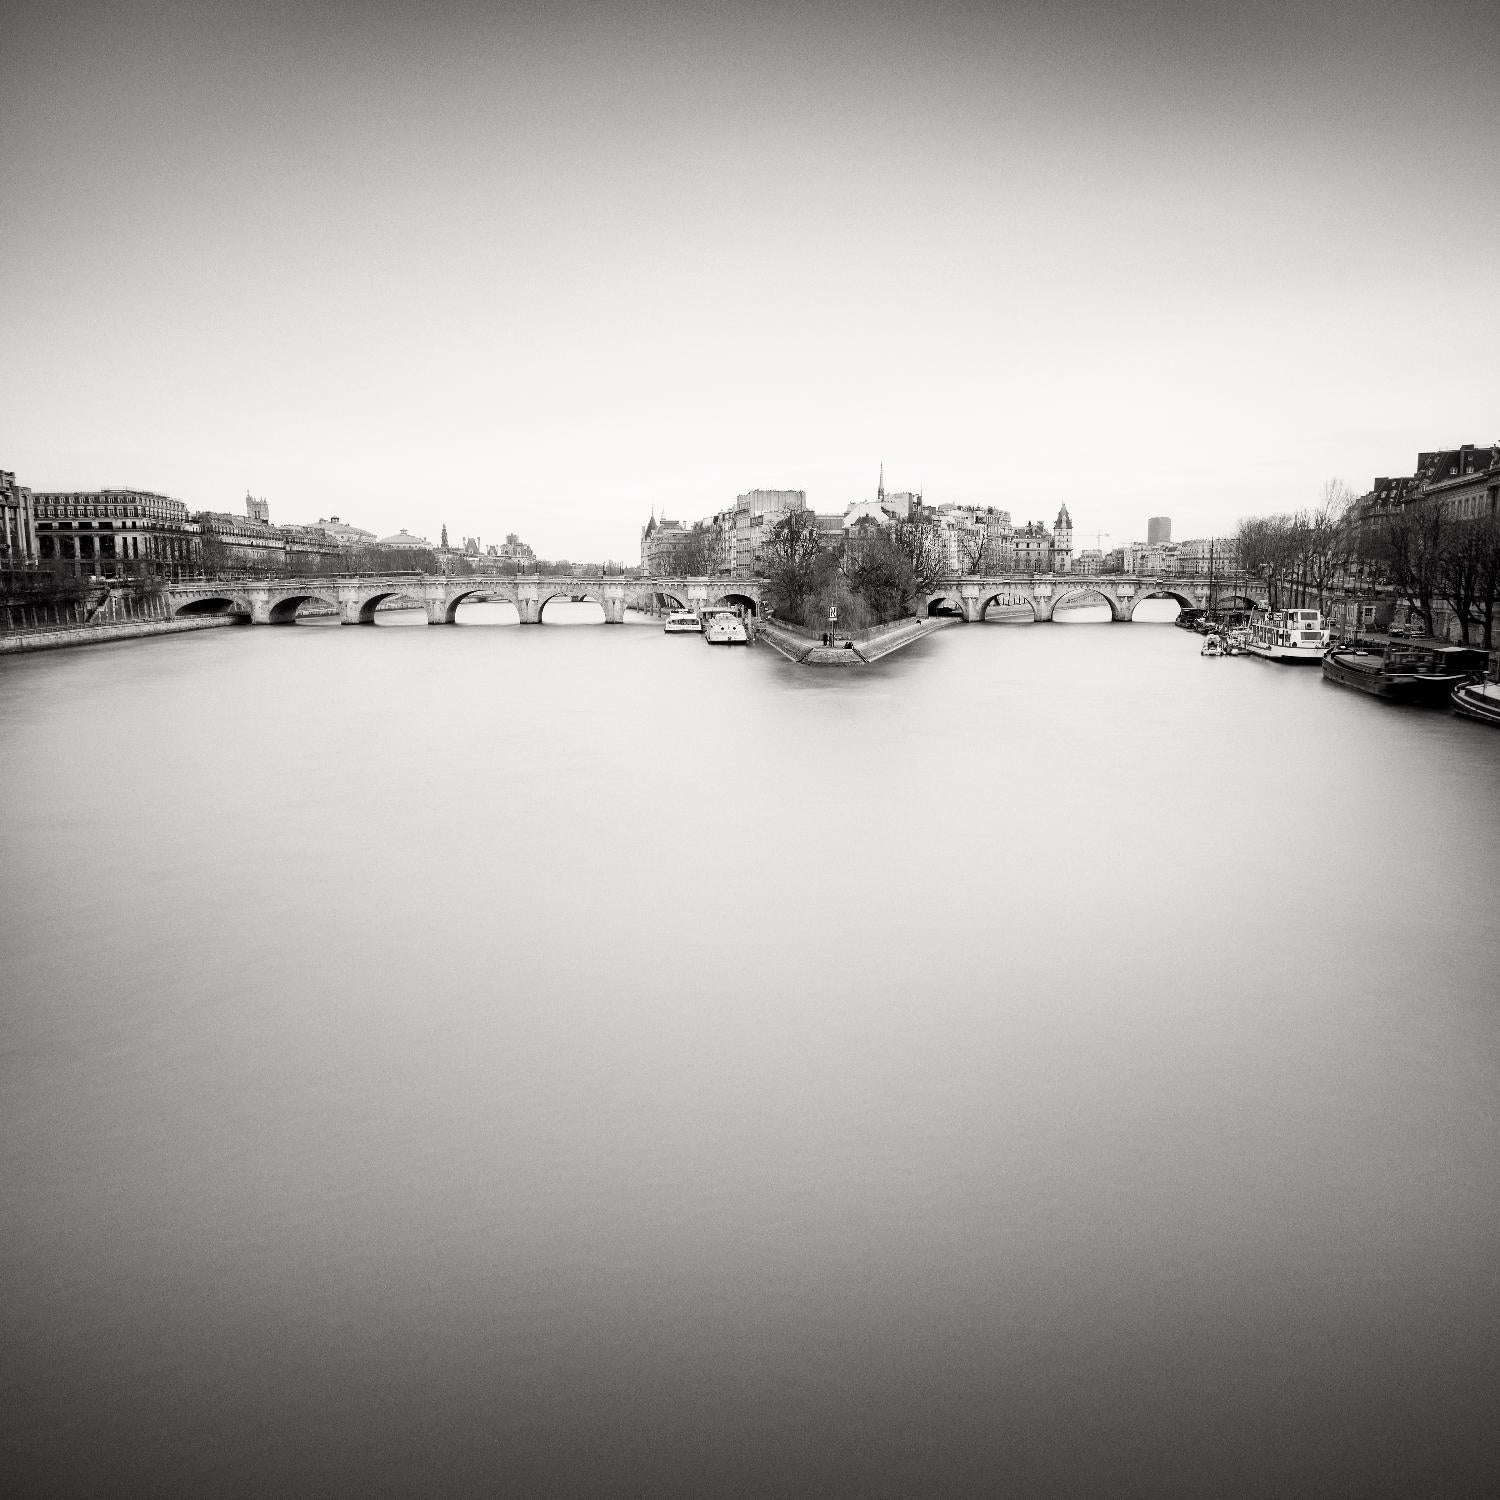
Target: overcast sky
pixel 543 267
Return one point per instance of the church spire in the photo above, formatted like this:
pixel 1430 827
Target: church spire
pixel 880 488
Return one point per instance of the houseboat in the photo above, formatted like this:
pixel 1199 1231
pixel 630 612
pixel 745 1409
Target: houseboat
pixel 1288 635
pixel 1480 699
pixel 724 626
pixel 1404 672
pixel 682 622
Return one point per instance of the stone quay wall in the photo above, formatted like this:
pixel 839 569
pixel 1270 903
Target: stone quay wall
pixel 863 649
pixel 12 642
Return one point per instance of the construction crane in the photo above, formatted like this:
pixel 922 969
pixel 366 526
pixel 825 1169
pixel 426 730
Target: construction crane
pixel 1099 539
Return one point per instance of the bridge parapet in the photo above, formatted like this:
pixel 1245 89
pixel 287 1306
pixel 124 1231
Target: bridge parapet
pixel 1045 593
pixel 273 601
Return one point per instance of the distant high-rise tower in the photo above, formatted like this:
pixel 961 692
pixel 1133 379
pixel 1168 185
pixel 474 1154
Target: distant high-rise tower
pixel 1062 542
pixel 1158 529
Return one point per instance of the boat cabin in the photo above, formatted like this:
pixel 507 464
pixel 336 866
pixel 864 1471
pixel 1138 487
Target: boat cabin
pixel 1425 660
pixel 1289 627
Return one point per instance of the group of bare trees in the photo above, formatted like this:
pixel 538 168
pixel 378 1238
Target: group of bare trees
pixel 1420 552
pixel 699 553
pixel 1304 555
pixel 1430 556
pixel 879 573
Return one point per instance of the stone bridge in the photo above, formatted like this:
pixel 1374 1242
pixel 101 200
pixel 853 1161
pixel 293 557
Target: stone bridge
pixel 1046 592
pixel 275 601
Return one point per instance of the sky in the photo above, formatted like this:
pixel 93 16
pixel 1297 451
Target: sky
pixel 548 268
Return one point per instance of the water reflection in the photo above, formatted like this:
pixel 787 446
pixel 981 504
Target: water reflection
pixel 580 1060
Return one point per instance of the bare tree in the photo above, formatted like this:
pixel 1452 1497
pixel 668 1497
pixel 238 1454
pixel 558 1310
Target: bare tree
pixel 972 542
pixel 790 560
pixel 1268 547
pixel 1413 548
pixel 1467 564
pixel 697 554
pixel 1489 577
pixel 1327 537
pixel 920 539
pixel 1304 554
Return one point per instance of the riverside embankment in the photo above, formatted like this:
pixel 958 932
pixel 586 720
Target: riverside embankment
pixel 859 651
pixel 47 639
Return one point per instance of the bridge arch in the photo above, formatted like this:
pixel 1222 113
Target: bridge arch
pixel 369 603
pixel 478 595
pixel 1160 591
pixel 945 601
pixel 573 595
pixel 741 601
pixel 283 610
pixel 645 599
pixel 1079 595
pixel 216 604
pixel 1006 599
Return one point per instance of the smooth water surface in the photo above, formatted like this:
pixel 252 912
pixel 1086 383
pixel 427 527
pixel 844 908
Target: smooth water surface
pixel 582 1061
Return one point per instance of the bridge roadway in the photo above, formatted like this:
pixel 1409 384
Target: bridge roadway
pixel 275 601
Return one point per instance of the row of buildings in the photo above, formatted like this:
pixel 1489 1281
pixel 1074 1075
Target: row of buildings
pixel 106 532
pixel 1463 482
pixel 977 539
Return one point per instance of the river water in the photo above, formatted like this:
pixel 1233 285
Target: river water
pixel 579 1061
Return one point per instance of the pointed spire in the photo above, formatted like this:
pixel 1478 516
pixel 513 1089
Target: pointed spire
pixel 880 488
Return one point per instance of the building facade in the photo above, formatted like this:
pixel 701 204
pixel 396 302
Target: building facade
pixel 1158 530
pixel 1209 554
pixel 18 547
pixel 756 512
pixel 339 531
pixel 660 540
pixel 1149 559
pixel 1463 484
pixel 1031 548
pixel 235 542
pixel 515 553
pixel 102 532
pixel 1465 481
pixel 1062 542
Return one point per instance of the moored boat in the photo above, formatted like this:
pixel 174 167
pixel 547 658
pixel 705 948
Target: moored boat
pixel 1403 672
pixel 1480 699
pixel 724 626
pixel 682 622
pixel 1213 645
pixel 1288 635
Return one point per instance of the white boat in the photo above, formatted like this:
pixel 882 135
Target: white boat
pixel 1213 646
pixel 723 626
pixel 682 622
pixel 1288 635
pixel 1480 699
